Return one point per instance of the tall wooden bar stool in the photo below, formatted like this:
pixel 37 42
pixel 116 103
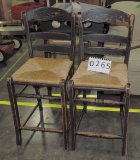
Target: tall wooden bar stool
pixel 114 83
pixel 40 72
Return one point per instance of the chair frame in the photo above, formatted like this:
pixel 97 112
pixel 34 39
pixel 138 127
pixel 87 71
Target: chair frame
pixel 101 16
pixel 43 14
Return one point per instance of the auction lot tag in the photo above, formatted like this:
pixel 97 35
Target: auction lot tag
pixel 99 65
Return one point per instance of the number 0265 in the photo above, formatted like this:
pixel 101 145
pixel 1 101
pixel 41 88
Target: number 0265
pixel 99 65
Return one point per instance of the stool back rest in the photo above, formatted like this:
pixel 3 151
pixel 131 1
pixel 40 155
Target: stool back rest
pixel 49 14
pixel 106 16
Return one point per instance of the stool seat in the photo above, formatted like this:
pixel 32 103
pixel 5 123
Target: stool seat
pixel 117 78
pixel 43 70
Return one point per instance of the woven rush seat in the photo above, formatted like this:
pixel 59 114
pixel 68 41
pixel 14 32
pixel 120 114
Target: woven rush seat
pixel 117 78
pixel 41 70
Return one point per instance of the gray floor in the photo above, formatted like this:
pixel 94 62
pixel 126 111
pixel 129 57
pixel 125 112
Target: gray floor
pixel 48 146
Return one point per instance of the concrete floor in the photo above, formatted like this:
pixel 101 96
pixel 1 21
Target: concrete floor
pixel 48 146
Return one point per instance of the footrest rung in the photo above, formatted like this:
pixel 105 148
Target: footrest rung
pixel 99 135
pixel 41 129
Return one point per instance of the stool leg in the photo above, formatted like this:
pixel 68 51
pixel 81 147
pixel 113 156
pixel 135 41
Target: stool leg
pixel 122 112
pixel 15 112
pixel 72 115
pixel 49 91
pixel 126 112
pixel 85 104
pixel 40 107
pixel 64 113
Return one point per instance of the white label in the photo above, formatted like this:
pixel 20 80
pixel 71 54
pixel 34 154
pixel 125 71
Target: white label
pixel 99 65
